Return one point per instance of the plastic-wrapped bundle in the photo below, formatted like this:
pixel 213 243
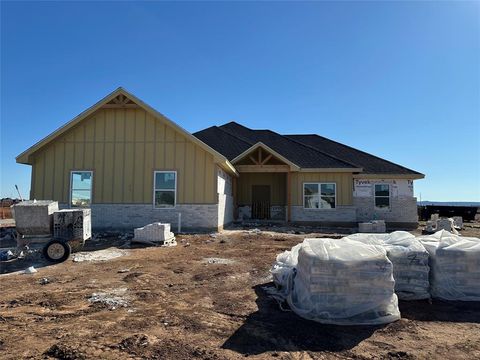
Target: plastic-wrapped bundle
pixel 410 265
pixel 409 259
pixel 338 282
pixel 455 266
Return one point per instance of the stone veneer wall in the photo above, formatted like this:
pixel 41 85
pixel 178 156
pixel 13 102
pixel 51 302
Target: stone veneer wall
pixel 403 209
pixel 341 214
pixel 195 217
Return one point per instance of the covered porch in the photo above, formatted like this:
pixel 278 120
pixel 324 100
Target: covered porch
pixel 262 191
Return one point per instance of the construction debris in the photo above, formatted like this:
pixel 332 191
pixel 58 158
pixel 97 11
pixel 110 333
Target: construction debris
pixel 112 299
pixel 449 224
pixel 30 270
pixel 6 255
pixel 44 281
pixel 214 260
pixel 99 255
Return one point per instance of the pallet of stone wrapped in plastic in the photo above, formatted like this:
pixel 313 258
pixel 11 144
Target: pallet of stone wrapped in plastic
pixel 410 262
pixel 455 266
pixel 337 282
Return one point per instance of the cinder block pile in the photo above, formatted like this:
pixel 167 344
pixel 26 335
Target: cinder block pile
pixel 374 226
pixel 455 266
pixel 348 284
pixel 409 259
pixel 156 233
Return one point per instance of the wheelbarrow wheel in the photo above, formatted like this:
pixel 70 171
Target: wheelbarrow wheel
pixel 57 251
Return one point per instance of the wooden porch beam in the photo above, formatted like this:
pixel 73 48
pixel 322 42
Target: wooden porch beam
pixel 262 168
pixel 253 160
pixel 266 159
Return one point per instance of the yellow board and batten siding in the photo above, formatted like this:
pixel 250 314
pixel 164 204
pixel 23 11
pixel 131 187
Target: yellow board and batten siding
pixel 277 183
pixel 123 147
pixel 343 181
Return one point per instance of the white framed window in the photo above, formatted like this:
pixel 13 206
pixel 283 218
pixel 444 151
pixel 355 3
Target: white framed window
pixel 164 189
pixel 319 195
pixel 382 196
pixel 81 182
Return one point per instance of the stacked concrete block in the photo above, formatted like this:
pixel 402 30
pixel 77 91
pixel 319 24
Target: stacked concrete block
pixel 72 224
pixel 410 262
pixel 344 282
pixel 375 226
pixel 154 233
pixel 35 217
pixel 458 222
pixel 444 224
pixel 455 266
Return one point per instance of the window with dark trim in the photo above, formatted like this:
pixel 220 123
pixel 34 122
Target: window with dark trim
pixel 382 196
pixel 319 195
pixel 81 188
pixel 165 189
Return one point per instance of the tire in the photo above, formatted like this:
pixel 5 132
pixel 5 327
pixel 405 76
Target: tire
pixel 57 251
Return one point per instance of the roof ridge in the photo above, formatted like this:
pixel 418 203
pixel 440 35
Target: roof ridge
pixel 241 138
pixel 350 147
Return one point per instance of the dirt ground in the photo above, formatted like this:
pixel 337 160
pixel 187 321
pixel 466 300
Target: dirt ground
pixel 179 303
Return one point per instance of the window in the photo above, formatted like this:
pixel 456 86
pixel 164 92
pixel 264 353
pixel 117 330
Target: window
pixel 319 195
pixel 81 188
pixel 165 189
pixel 382 196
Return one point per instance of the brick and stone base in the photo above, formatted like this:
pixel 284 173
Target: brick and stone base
pixel 340 215
pixel 402 211
pixel 195 217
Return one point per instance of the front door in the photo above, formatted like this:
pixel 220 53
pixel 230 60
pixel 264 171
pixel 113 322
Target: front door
pixel 260 202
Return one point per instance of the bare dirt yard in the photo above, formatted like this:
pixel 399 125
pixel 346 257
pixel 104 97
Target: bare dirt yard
pixel 204 299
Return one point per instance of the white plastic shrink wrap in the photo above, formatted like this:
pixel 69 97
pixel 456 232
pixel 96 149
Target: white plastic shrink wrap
pixel 337 282
pixel 455 266
pixel 410 262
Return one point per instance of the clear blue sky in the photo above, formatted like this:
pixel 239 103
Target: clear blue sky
pixel 398 79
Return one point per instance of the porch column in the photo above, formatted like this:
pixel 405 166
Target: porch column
pixel 289 197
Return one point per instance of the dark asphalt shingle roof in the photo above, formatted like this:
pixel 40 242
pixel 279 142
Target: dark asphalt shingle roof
pixel 306 151
pixel 371 164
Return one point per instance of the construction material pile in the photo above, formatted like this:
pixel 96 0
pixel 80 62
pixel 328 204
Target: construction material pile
pixel 409 259
pixel 337 282
pixel 155 234
pixel 455 266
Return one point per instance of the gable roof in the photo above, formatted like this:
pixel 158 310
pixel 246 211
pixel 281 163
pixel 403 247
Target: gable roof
pixel 307 151
pixel 233 139
pixel 25 157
